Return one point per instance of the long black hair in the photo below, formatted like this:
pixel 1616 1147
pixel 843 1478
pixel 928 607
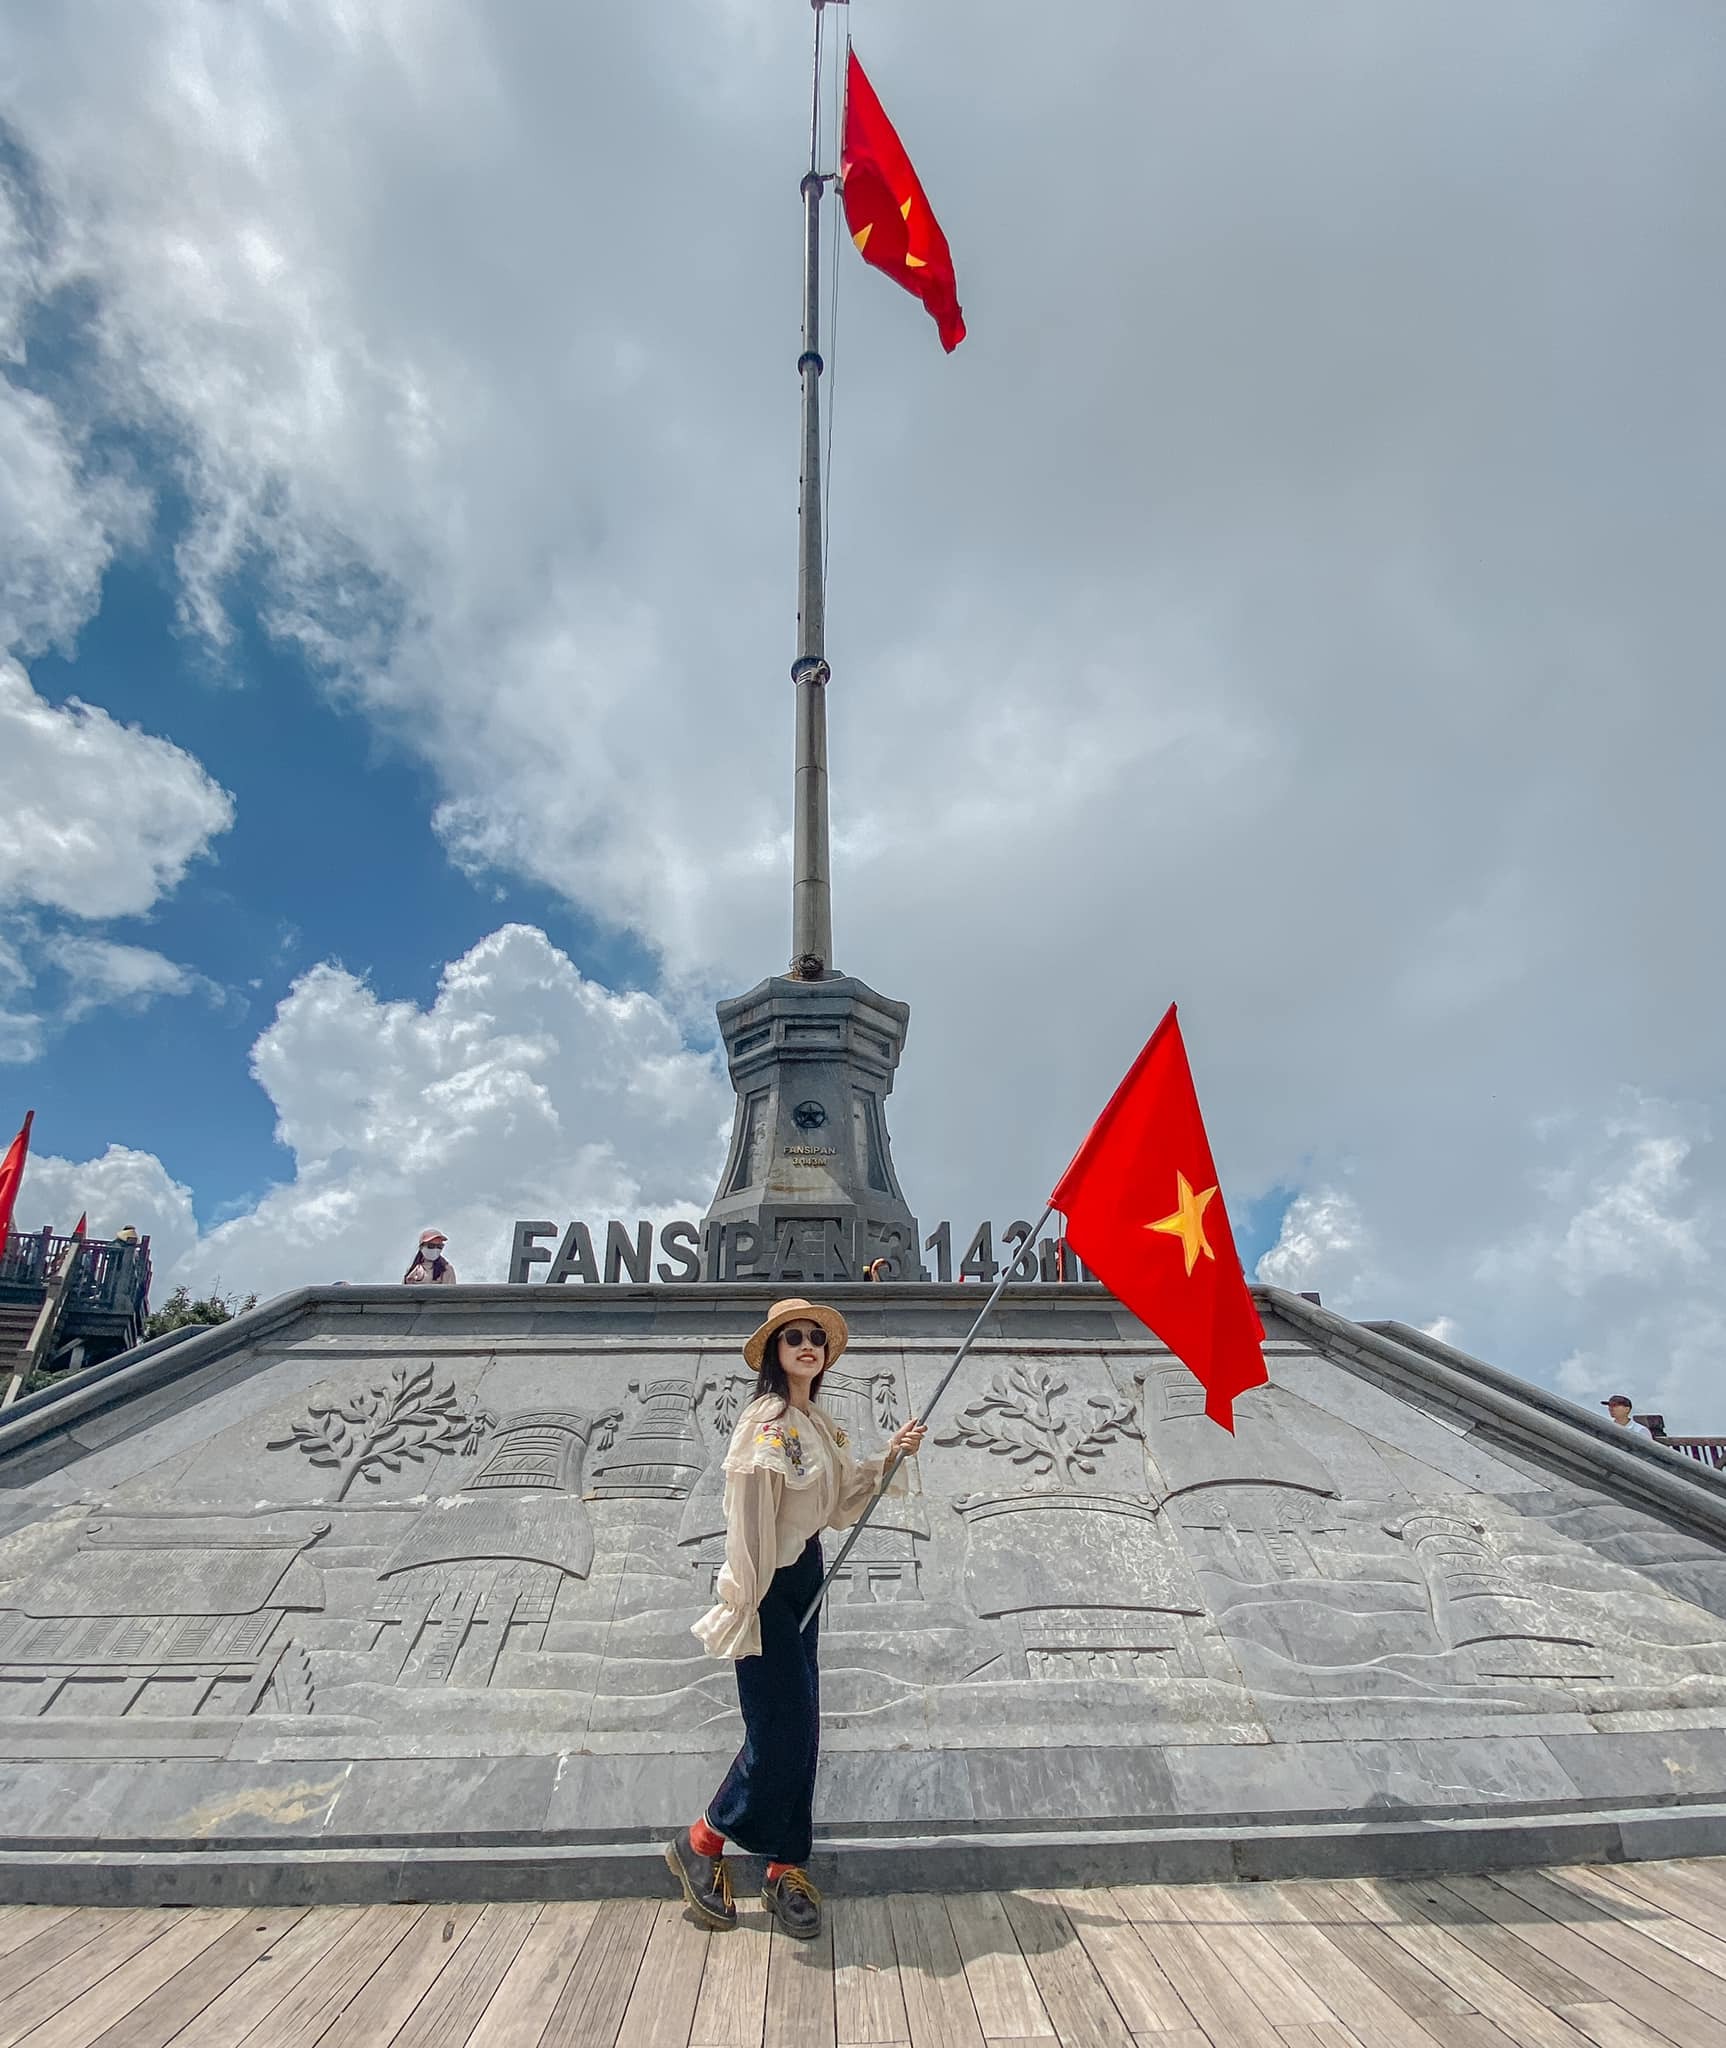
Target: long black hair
pixel 770 1377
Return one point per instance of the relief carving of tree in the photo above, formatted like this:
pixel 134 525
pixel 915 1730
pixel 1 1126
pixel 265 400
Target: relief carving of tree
pixel 1022 1417
pixel 379 1430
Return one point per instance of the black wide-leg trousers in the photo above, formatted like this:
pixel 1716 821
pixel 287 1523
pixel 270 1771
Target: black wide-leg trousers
pixel 767 1803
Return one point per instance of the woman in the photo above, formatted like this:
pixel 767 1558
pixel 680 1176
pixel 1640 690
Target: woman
pixel 789 1473
pixel 430 1267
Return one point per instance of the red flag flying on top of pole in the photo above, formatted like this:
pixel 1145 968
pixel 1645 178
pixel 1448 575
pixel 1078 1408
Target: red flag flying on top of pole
pixel 82 1224
pixel 1145 1213
pixel 12 1173
pixel 887 210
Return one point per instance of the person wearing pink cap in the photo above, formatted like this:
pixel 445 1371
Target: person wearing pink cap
pixel 430 1268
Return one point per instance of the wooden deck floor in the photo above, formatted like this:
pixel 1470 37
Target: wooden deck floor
pixel 1631 1957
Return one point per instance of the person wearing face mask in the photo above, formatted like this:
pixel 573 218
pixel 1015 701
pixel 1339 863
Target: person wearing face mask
pixel 430 1267
pixel 790 1472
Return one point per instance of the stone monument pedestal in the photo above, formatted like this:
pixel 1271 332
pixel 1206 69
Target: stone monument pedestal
pixel 809 1192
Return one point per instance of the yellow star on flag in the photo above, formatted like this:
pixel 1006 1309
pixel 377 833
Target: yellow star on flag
pixel 1188 1221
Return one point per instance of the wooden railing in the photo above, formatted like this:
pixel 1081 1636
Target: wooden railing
pixel 1706 1450
pixel 108 1276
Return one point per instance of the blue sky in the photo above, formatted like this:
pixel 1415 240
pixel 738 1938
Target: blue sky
pixel 331 857
pixel 1298 600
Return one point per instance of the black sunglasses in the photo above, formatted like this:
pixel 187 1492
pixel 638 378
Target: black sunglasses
pixel 794 1335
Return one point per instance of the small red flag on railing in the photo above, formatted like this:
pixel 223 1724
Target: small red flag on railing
pixel 1145 1213
pixel 12 1174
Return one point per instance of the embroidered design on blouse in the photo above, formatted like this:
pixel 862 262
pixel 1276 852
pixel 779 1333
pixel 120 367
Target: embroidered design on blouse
pixel 778 1438
pixel 840 1438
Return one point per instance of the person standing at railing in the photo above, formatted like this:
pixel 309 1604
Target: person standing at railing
pixel 430 1268
pixel 1618 1406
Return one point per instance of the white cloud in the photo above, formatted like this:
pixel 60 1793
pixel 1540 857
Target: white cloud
pixel 1314 617
pixel 20 1030
pixel 523 1090
pixel 1606 1262
pixel 102 972
pixel 97 819
pixel 121 1186
pixel 62 515
pixel 1323 1247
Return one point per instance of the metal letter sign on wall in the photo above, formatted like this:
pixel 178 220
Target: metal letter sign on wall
pixel 808 1248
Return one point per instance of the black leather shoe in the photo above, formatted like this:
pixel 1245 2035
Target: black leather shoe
pixel 705 1880
pixel 794 1903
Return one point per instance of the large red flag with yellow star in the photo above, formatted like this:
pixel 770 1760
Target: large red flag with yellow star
pixel 1145 1213
pixel 887 211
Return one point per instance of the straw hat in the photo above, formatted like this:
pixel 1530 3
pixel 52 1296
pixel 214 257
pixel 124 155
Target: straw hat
pixel 788 1311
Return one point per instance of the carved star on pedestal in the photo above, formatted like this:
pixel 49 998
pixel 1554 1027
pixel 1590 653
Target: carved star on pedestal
pixel 1187 1222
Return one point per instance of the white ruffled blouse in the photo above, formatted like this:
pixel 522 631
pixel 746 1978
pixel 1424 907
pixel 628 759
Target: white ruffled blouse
pixel 789 1474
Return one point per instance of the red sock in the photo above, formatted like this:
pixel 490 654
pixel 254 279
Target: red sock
pixel 705 1841
pixel 775 1871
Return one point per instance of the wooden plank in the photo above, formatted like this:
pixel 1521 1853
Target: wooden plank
pixel 107 2001
pixel 1659 1922
pixel 1003 1991
pixel 384 2005
pixel 1214 2002
pixel 1075 1997
pixel 335 1980
pixel 868 2004
pixel 1619 1965
pixel 19 1924
pixel 732 2009
pixel 590 2008
pixel 1320 2034
pixel 1223 1917
pixel 157 2019
pixel 1302 1921
pixel 121 1939
pixel 1467 2030
pixel 662 2005
pixel 448 2013
pixel 1475 1914
pixel 932 1975
pixel 1407 1981
pixel 1672 1889
pixel 1173 2037
pixel 1612 2027
pixel 800 1990
pixel 52 1944
pixel 1707 1871
pixel 1131 1975
pixel 530 1988
pixel 1409 1984
pixel 230 2015
pixel 1397 1909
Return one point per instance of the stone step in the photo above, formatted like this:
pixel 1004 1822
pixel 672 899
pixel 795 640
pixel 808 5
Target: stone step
pixel 527 1867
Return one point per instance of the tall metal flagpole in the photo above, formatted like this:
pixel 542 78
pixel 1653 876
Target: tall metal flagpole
pixel 941 1385
pixel 811 904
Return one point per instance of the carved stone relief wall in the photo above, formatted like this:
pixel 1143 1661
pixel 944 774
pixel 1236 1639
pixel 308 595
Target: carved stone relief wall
pixel 149 1616
pixel 508 1556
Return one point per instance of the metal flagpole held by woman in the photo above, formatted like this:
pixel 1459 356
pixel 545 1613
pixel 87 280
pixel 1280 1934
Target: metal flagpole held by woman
pixel 928 1408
